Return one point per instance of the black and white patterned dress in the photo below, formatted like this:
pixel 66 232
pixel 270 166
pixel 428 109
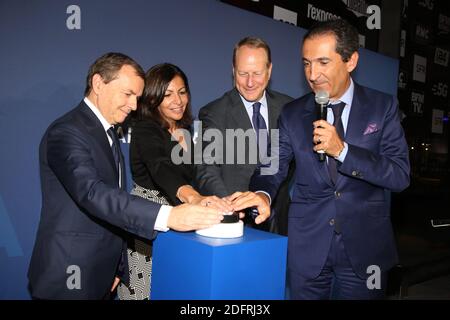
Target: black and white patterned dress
pixel 156 178
pixel 140 257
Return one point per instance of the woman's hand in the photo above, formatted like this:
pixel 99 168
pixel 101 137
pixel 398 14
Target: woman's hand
pixel 187 194
pixel 215 202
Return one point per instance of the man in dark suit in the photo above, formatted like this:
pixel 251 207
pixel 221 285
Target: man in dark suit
pixel 238 109
pixel 341 243
pixel 86 211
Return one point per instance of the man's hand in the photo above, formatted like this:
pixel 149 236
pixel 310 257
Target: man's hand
pixel 187 217
pixel 242 200
pixel 326 138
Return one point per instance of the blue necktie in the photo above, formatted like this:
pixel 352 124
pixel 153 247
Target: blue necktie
pixel 259 124
pixel 337 123
pixel 258 120
pixel 117 153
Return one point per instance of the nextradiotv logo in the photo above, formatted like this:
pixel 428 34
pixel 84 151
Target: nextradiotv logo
pixel 373 13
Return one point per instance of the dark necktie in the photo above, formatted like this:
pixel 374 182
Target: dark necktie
pixel 337 123
pixel 117 153
pixel 260 126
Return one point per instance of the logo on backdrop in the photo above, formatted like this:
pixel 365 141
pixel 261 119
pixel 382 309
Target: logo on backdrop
pixel 318 14
pixel 440 89
pixel 402 43
pixel 417 101
pixel 436 121
pixel 284 15
pixel 422 33
pixel 443 25
pixel 420 68
pixel 402 79
pixel 441 57
pixel 427 4
pixel 361 8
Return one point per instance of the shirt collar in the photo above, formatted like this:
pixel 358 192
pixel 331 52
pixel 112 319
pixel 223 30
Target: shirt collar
pixel 106 125
pixel 249 105
pixel 347 97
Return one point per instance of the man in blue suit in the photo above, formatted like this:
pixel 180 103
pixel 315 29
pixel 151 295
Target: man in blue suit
pixel 341 242
pixel 86 212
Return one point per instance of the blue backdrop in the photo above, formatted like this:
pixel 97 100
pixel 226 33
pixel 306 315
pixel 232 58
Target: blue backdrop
pixel 43 66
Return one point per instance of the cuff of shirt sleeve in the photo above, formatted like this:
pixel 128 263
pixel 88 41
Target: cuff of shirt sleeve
pixel 341 157
pixel 268 195
pixel 162 218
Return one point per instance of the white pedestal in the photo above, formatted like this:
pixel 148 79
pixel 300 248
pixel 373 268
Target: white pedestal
pixel 223 230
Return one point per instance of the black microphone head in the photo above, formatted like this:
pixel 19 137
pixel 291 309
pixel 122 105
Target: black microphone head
pixel 322 97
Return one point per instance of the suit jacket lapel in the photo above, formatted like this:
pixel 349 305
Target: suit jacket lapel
pixel 238 111
pixel 96 131
pixel 358 118
pixel 274 110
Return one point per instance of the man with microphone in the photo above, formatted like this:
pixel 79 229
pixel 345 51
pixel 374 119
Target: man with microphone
pixel 341 243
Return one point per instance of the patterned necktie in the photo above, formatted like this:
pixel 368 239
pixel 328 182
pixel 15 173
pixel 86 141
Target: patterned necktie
pixel 337 123
pixel 118 159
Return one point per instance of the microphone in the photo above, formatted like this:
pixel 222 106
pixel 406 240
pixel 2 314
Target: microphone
pixel 322 98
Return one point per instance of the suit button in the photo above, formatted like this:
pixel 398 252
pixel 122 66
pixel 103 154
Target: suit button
pixel 337 194
pixel 332 222
pixel 355 173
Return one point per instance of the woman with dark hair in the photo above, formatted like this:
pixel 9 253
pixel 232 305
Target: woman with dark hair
pixel 161 160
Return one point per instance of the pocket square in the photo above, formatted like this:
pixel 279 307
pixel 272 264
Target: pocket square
pixel 371 128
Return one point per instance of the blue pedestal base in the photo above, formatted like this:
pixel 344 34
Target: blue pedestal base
pixel 189 266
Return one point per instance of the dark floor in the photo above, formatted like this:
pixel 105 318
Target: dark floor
pixel 435 289
pixel 424 250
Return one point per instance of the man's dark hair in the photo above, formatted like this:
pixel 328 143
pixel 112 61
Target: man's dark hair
pixel 252 42
pixel 347 39
pixel 157 80
pixel 108 65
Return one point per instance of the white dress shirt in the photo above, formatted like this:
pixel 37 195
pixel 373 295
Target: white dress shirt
pixel 264 110
pixel 164 211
